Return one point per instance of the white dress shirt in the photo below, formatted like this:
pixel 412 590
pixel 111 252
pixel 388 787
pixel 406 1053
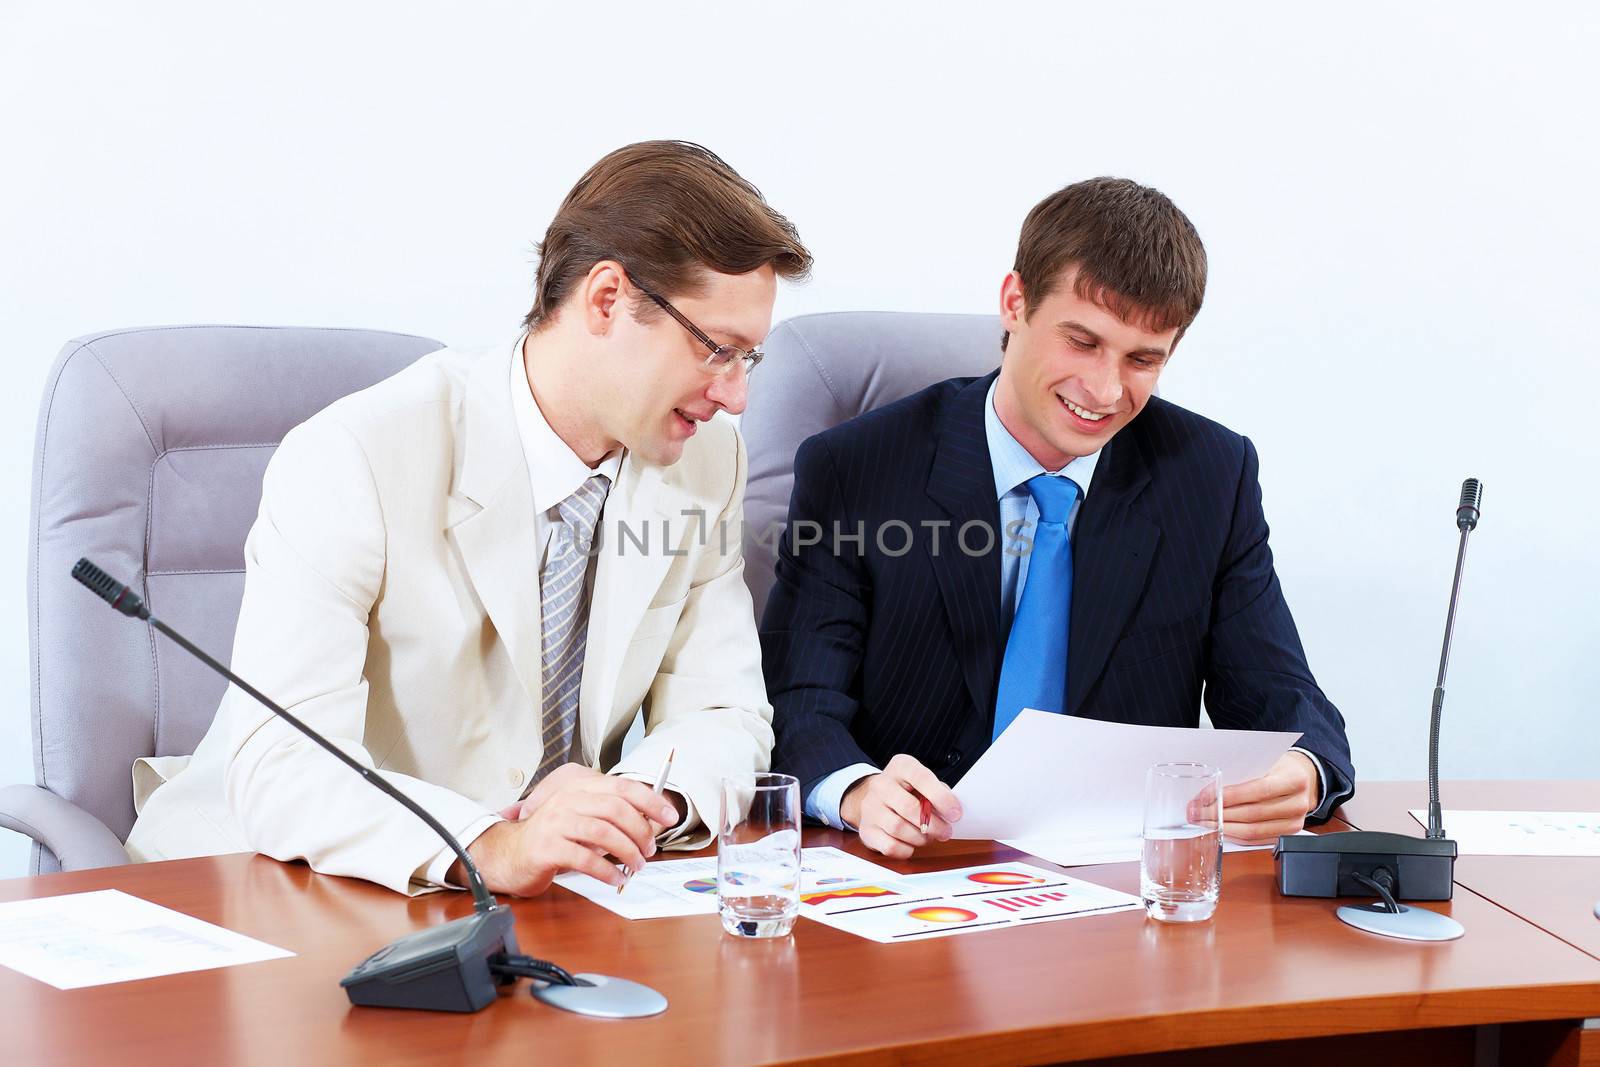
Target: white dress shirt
pixel 555 472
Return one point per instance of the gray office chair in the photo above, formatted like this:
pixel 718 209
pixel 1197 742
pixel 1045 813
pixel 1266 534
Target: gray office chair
pixel 148 459
pixel 823 369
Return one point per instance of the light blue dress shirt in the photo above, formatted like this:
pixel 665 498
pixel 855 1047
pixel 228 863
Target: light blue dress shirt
pixel 1019 515
pixel 1013 465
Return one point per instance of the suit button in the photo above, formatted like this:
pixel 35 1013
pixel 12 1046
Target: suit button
pixel 952 757
pixel 514 776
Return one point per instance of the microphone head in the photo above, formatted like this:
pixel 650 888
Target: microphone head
pixel 109 589
pixel 1470 508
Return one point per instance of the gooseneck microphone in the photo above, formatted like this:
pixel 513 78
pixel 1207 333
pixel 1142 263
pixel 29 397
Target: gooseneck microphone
pixel 1394 866
pixel 456 966
pixel 1467 515
pixel 127 601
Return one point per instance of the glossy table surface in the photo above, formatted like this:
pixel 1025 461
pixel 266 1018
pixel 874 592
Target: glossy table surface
pixel 1266 968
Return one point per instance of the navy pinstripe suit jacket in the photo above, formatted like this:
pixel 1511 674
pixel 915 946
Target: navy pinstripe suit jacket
pixel 891 641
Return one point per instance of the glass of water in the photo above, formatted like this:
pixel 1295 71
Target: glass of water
pixel 1180 870
pixel 758 854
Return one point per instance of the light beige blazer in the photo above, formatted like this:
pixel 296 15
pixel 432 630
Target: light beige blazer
pixel 392 602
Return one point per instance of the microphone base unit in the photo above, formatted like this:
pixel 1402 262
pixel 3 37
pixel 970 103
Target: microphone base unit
pixel 1338 865
pixel 442 968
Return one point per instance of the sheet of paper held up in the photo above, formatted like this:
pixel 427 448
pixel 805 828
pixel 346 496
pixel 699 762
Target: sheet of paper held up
pixel 1071 790
pixel 1521 833
pixel 88 939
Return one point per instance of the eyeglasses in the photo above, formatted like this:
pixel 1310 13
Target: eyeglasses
pixel 722 357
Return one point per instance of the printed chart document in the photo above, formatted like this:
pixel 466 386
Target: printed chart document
pixel 689 887
pixel 1071 790
pixel 862 898
pixel 916 907
pixel 1521 833
pixel 88 939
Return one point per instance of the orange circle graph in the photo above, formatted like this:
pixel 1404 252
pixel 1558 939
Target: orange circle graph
pixel 942 915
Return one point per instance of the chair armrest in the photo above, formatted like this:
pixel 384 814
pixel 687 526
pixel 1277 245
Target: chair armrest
pixel 78 839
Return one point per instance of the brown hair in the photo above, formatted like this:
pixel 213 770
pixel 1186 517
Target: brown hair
pixel 665 210
pixel 1135 253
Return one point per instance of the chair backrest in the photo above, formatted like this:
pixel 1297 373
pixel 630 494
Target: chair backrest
pixel 148 459
pixel 823 369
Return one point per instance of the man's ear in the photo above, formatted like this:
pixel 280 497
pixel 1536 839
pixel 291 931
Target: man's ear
pixel 601 296
pixel 1013 302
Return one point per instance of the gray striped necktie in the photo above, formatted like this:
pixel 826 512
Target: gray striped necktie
pixel 564 611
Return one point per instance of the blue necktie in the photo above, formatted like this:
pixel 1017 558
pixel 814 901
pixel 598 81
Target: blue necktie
pixel 1034 673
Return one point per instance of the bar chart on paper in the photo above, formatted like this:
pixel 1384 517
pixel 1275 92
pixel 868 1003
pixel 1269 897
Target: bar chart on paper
pixel 966 900
pixel 1031 902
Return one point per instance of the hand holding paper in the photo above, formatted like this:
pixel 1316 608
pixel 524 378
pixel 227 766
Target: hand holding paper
pixel 1071 789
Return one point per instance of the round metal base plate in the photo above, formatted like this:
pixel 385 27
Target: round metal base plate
pixel 1412 924
pixel 604 997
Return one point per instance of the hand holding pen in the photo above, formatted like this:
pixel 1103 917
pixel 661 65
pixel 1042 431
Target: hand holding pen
pixel 901 808
pixel 661 784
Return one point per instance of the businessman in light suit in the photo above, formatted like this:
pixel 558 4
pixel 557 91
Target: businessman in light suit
pixel 1062 539
pixel 472 575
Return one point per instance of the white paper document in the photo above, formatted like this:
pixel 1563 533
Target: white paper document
pixel 1071 790
pixel 88 939
pixel 1070 852
pixel 916 907
pixel 689 887
pixel 1521 833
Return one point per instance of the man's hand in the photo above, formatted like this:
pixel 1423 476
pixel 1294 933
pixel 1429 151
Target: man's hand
pixel 886 808
pixel 570 822
pixel 1260 810
pixel 567 774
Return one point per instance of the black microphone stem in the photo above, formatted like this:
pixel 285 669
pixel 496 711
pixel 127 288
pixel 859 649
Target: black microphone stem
pixel 1435 813
pixel 481 898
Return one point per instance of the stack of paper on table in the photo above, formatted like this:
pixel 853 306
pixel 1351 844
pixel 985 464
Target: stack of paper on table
pixel 1521 833
pixel 916 907
pixel 87 939
pixel 689 887
pixel 1071 790
pixel 862 898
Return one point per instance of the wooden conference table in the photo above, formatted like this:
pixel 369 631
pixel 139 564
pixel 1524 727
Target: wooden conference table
pixel 1270 979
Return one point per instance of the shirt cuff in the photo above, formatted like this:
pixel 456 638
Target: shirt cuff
pixel 437 871
pixel 691 817
pixel 825 798
pixel 1322 773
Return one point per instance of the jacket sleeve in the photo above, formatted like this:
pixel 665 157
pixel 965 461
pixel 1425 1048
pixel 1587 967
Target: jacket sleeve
pixel 813 634
pixel 1257 677
pixel 314 567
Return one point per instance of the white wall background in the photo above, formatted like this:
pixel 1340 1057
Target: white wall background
pixel 1400 204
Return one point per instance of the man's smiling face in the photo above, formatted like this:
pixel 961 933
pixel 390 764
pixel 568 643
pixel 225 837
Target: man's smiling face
pixel 1074 373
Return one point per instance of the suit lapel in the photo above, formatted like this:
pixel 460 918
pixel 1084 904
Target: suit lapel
pixel 962 484
pixel 627 577
pixel 1112 549
pixel 491 517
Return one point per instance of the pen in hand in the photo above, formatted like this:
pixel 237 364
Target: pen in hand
pixel 661 784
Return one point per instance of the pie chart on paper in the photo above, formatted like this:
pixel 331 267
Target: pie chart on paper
pixel 1004 878
pixel 942 915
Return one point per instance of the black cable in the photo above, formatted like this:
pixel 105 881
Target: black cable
pixel 1382 883
pixel 528 967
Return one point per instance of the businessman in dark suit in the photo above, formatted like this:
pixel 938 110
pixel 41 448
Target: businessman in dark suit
pixel 1051 535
